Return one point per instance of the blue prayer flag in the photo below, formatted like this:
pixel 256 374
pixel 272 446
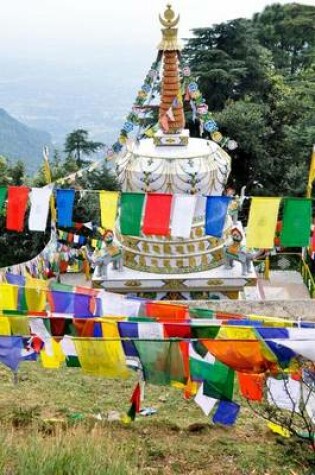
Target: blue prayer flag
pixel 11 351
pixel 65 201
pixel 216 210
pixel 226 413
pixel 129 330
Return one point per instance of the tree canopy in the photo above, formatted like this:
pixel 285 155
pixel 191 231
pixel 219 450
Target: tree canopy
pixel 258 79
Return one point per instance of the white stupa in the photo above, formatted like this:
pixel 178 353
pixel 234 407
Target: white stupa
pixel 172 162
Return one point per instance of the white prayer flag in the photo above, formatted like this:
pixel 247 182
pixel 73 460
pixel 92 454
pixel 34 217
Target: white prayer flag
pixel 200 209
pixel 39 208
pixel 206 403
pixel 183 210
pixel 151 331
pixel 285 394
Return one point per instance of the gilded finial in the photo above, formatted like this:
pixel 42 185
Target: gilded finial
pixel 169 21
pixel 169 15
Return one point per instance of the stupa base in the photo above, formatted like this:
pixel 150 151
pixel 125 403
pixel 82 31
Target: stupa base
pixel 218 283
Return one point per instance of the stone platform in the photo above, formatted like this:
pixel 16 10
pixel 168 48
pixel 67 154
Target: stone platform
pixel 218 283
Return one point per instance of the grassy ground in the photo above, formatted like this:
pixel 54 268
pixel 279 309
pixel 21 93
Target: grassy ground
pixel 49 425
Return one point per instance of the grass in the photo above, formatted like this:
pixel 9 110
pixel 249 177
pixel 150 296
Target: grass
pixel 50 425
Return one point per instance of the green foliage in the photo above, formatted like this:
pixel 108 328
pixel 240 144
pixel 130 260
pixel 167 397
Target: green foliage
pixel 78 144
pixel 258 77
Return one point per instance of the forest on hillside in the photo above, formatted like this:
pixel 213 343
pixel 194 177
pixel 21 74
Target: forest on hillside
pixel 258 78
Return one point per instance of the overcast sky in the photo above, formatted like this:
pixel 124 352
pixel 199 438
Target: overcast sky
pixel 58 29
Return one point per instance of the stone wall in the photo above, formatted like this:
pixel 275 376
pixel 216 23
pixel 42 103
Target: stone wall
pixel 291 309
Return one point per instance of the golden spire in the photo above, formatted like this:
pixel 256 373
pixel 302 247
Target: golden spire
pixel 171 115
pixel 169 41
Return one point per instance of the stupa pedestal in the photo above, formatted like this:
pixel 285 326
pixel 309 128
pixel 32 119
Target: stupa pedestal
pixel 218 283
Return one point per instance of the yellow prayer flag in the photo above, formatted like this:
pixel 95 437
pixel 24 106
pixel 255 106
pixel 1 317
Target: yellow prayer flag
pixel 108 203
pixel 262 222
pixel 54 360
pixel 311 176
pixel 19 325
pixel 103 358
pixel 279 429
pixel 236 333
pixel 35 299
pixel 5 328
pixel 8 297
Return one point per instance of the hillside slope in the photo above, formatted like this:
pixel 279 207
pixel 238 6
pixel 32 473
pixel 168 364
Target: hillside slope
pixel 20 142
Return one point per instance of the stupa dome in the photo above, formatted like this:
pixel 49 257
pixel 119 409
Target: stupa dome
pixel 200 167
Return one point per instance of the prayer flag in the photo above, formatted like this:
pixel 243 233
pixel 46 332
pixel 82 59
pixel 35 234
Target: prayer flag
pixel 157 214
pixel 251 386
pixel 277 429
pixel 3 195
pixel 170 114
pixel 311 175
pixel 40 199
pixel 183 209
pixel 206 403
pixel 164 123
pixel 17 201
pixel 296 222
pixel 8 297
pixel 162 361
pixel 11 351
pixel 65 201
pixel 102 358
pixel 216 209
pixel 284 393
pixel 131 205
pixel 226 413
pixel 108 203
pixel 262 222
pixel 135 402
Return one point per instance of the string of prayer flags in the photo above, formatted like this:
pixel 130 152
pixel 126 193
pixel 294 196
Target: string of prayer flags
pixel 16 208
pixel 157 214
pixel 296 223
pixel 108 204
pixel 65 202
pixel 216 210
pixel 262 222
pixel 183 210
pixel 3 195
pixel 40 200
pixel 131 206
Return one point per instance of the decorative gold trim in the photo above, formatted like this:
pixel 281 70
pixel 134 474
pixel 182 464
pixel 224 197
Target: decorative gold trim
pixel 212 282
pixel 133 283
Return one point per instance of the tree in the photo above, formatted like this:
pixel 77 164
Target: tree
pixel 288 31
pixel 296 416
pixel 78 144
pixel 258 79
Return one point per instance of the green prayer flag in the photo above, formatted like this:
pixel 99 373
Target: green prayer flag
pixel 219 383
pixel 131 205
pixel 3 195
pixel 162 361
pixel 296 224
pixel 201 313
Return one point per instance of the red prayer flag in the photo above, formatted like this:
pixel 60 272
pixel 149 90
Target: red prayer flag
pixel 164 312
pixel 251 386
pixel 157 214
pixel 17 201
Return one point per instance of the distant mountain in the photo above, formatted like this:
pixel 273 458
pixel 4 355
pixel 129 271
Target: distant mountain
pixel 20 142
